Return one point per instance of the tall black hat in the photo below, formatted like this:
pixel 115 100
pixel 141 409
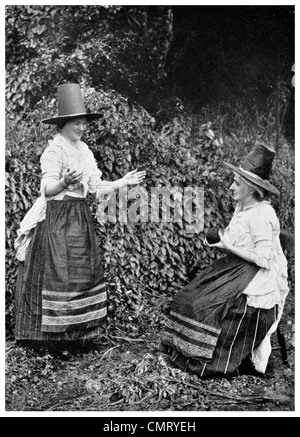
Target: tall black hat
pixel 70 104
pixel 257 167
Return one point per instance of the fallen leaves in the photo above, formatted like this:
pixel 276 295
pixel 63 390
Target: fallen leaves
pixel 127 373
pixel 133 376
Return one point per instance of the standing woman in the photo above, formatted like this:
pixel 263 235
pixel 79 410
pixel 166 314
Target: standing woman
pixel 223 319
pixel 60 290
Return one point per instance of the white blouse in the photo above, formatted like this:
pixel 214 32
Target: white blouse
pixel 256 228
pixel 58 156
pixel 61 155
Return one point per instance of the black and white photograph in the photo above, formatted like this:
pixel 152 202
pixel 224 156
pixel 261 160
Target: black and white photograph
pixel 149 213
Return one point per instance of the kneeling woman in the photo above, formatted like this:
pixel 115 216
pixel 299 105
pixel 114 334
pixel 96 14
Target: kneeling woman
pixel 225 316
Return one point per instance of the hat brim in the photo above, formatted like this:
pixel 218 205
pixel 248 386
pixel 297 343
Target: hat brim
pixel 266 185
pixel 89 116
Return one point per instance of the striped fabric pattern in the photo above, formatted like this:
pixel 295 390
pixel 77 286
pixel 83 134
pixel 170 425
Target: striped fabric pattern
pixel 243 329
pixel 60 291
pixel 192 338
pixel 200 311
pixel 59 312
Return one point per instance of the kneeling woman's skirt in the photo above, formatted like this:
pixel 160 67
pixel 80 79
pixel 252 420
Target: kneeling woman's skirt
pixel 211 329
pixel 60 290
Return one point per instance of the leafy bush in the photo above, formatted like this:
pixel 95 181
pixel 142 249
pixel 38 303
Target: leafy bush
pixel 112 47
pixel 145 262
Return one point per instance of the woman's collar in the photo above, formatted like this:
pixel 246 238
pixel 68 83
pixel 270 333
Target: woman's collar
pixel 240 206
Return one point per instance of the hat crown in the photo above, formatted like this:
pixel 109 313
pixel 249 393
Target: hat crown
pixel 70 104
pixel 257 167
pixel 259 161
pixel 69 100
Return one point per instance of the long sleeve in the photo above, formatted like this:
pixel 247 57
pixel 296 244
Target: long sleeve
pixel 94 180
pixel 102 189
pixel 51 165
pixel 60 156
pixel 255 231
pixel 263 235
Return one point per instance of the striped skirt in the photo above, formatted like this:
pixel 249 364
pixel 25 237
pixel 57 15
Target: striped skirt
pixel 60 289
pixel 211 330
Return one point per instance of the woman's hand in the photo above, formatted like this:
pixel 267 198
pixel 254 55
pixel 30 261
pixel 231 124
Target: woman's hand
pixel 134 177
pixel 242 252
pixel 72 177
pixel 222 244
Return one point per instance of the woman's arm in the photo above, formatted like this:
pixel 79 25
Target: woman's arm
pixel 259 255
pixel 226 245
pixel 131 178
pixel 101 187
pixel 52 167
pixel 54 187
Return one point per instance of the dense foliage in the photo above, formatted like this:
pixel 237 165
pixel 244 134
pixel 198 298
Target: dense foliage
pixel 129 62
pixel 145 261
pixel 116 47
pixel 199 54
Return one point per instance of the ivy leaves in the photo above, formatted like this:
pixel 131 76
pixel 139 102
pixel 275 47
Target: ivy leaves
pixel 146 261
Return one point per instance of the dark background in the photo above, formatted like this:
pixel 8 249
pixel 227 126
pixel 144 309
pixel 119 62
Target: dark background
pixel 220 50
pixel 227 53
pixel 201 55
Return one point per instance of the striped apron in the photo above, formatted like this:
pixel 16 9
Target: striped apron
pixel 60 290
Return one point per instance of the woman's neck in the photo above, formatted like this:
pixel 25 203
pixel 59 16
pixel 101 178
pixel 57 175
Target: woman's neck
pixel 72 142
pixel 249 201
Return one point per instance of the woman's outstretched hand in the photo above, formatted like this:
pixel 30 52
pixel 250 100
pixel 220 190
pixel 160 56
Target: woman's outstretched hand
pixel 134 177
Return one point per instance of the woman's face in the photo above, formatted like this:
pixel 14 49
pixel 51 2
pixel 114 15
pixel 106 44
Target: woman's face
pixel 74 129
pixel 240 190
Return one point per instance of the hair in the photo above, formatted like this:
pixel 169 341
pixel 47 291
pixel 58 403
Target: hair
pixel 258 193
pixel 61 123
pixel 257 196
